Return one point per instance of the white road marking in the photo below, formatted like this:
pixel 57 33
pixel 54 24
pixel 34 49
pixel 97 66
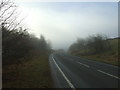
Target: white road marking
pixel 108 74
pixel 68 81
pixel 83 64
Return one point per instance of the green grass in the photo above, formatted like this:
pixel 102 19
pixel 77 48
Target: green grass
pixel 34 73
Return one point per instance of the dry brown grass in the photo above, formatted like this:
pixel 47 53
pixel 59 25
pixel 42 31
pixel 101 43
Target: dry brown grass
pixel 106 58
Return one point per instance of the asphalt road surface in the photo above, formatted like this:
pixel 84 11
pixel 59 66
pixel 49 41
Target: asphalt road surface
pixel 74 72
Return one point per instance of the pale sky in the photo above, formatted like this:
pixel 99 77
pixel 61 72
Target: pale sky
pixel 63 22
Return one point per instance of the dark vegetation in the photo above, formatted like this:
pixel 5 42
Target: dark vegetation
pixel 97 47
pixel 33 73
pixel 24 57
pixel 19 44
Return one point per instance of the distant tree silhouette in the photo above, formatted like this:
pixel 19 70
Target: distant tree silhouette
pixel 92 44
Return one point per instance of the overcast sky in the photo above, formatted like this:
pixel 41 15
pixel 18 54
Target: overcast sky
pixel 63 22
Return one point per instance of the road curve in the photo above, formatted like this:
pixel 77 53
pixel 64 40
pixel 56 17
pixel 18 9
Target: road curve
pixel 74 72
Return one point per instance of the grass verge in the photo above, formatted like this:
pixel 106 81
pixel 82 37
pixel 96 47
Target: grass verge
pixel 34 73
pixel 111 56
pixel 108 58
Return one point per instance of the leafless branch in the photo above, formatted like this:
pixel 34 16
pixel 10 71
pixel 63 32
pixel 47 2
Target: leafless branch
pixel 10 15
pixel 6 10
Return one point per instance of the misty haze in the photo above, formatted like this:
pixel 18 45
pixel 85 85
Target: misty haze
pixel 59 44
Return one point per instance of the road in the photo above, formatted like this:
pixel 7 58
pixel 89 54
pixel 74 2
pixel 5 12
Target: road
pixel 70 71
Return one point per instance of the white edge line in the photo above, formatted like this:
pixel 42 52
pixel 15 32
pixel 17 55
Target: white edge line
pixel 108 74
pixel 68 81
pixel 83 64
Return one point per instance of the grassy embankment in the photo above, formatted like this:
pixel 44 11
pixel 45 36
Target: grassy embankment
pixel 110 56
pixel 34 73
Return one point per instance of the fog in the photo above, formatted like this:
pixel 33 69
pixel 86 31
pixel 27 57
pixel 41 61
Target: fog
pixel 63 22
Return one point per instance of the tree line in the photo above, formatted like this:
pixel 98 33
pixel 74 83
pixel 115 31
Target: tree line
pixel 93 44
pixel 17 43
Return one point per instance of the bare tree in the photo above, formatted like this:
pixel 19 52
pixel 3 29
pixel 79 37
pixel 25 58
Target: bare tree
pixel 9 15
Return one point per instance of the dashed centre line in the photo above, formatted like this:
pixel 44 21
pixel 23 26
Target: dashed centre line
pixel 108 74
pixel 84 64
